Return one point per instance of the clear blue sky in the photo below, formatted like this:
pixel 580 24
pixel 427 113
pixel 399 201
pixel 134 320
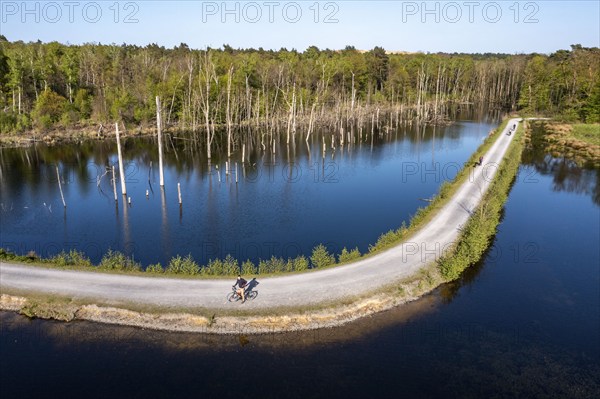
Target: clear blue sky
pixel 461 26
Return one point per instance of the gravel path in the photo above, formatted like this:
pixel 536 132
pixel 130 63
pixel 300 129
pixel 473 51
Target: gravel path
pixel 293 290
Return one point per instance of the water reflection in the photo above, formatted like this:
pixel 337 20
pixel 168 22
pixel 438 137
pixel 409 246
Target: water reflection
pixel 567 175
pixel 84 162
pixel 286 195
pixel 79 332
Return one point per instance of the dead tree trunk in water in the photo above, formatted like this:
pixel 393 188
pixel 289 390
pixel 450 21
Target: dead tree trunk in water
pixel 311 121
pixel 291 115
pixel 229 76
pixel 160 142
pixel 120 155
pixel 60 187
pixel 114 182
pixel 209 73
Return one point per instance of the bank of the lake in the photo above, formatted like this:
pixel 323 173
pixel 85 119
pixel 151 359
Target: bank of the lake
pixel 76 133
pixel 580 143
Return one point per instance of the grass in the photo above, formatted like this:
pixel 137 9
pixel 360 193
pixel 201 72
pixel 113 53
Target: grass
pixel 590 133
pixel 577 142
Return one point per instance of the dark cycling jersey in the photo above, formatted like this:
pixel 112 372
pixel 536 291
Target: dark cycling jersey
pixel 241 283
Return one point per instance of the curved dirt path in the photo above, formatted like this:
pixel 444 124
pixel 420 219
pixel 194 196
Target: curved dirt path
pixel 294 290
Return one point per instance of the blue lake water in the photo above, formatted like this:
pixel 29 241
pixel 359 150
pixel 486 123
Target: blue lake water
pixel 523 322
pixel 283 204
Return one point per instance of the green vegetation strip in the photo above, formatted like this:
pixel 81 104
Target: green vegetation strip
pixel 589 133
pixel 482 222
pixel 481 227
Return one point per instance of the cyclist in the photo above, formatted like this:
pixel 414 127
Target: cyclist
pixel 241 284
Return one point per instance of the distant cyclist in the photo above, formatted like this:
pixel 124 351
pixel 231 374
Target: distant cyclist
pixel 241 284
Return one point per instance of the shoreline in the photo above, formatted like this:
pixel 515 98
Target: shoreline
pixel 560 140
pixel 64 310
pixel 89 130
pixel 72 134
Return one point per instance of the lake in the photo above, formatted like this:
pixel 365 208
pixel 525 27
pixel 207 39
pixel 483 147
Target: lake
pixel 523 322
pixel 283 204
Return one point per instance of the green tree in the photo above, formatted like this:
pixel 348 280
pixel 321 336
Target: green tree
pixel 69 66
pixel 378 64
pixel 4 70
pixel 83 103
pixel 48 109
pixel 15 79
pixel 591 109
pixel 535 89
pixel 320 257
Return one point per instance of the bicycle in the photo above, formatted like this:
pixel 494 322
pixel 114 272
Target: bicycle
pixel 233 296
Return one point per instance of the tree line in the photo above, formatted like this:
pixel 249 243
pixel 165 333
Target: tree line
pixel 210 91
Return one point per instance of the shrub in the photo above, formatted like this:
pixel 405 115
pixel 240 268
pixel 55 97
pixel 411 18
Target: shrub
pixel 71 258
pixel 248 268
pixel 347 256
pixel 83 103
pixel 384 240
pixel 222 267
pixel 230 266
pixel 48 109
pixel 60 259
pixel 155 268
pixel 401 232
pixel 179 265
pixel 320 257
pixel 278 264
pixel 69 117
pixel 213 268
pixel 8 122
pixel 272 265
pixel 115 260
pixel 419 216
pixel 8 256
pixel 79 259
pixel 445 189
pixel 289 265
pixel 300 263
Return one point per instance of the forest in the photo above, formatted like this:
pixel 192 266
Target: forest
pixel 211 91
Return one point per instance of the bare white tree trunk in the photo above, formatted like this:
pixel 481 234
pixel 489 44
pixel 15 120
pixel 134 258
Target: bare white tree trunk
pixel 310 122
pixel 121 169
pixel 60 187
pixel 114 181
pixel 160 142
pixel 229 76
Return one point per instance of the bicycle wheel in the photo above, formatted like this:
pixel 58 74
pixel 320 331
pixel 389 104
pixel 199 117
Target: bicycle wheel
pixel 232 297
pixel 252 295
